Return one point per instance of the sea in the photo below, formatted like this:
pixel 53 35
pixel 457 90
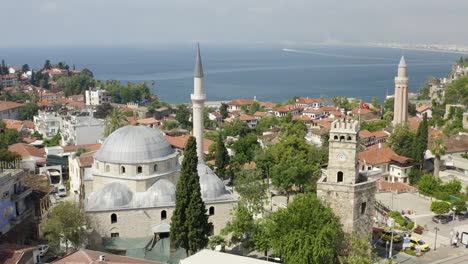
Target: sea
pixel 266 72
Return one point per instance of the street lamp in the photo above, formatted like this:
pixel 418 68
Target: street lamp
pixel 391 224
pixel 435 241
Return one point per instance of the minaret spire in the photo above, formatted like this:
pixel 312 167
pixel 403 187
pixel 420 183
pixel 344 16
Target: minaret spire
pixel 198 105
pixel 400 109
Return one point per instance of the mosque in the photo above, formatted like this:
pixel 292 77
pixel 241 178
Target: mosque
pixel 131 187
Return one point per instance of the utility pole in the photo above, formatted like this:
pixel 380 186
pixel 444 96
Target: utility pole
pixel 391 223
pixel 435 241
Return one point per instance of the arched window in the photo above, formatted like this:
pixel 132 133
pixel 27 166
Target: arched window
pixel 163 215
pixel 107 168
pixel 113 218
pixel 122 169
pixel 211 210
pixel 155 169
pixel 139 169
pixel 349 138
pixel 335 137
pixel 342 138
pixel 339 176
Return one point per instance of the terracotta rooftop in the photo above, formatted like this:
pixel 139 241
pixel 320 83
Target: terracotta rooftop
pixel 367 134
pixel 454 144
pixel 413 124
pixel 86 256
pixel 312 111
pixel 267 105
pixel 17 124
pixel 147 121
pixel 90 147
pixel 303 118
pixel 240 102
pixel 307 100
pixel 326 123
pixel 398 187
pixel 131 120
pixel 363 111
pixel 245 117
pixel 285 108
pixel 5 105
pixel 25 150
pixel 260 114
pixel 329 108
pixel 12 254
pixel 422 108
pixel 380 155
pixel 180 142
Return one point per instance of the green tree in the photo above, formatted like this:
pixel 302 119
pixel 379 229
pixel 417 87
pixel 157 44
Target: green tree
pixel 170 124
pixel 420 141
pixel 245 148
pixel 222 157
pixel 8 136
pixel 183 117
pixel 438 150
pixel 360 250
pixel 103 110
pixel 401 138
pixel 374 125
pixel 295 128
pixel 241 224
pixel 306 231
pixel 427 185
pixel 115 120
pixel 28 111
pixel 252 190
pixel 235 128
pixel 8 156
pixel 459 205
pixel 65 224
pixel 411 109
pixel 389 104
pixel 375 102
pixel 189 223
pixel 440 207
pixel 456 92
pixel 55 141
pixel 223 110
pixel 25 68
pixel 414 175
pixel 47 65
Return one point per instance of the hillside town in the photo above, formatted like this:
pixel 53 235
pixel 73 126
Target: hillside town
pixel 104 171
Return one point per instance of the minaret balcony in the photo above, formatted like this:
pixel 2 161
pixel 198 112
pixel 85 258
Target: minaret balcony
pixel 198 97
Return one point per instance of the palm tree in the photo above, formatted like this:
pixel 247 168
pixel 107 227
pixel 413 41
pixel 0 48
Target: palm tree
pixel 438 150
pixel 115 120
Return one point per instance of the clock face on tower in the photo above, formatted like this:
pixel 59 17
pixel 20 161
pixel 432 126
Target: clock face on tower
pixel 341 157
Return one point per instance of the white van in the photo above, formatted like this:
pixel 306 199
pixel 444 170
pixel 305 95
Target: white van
pixel 61 190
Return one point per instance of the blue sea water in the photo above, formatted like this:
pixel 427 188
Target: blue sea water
pixel 269 73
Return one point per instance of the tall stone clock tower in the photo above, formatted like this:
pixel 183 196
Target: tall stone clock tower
pixel 350 195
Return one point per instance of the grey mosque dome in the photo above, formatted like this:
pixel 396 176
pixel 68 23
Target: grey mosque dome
pixel 160 193
pixel 134 144
pixel 113 195
pixel 211 186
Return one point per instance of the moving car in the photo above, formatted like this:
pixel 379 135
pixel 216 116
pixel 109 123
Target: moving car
pixel 62 191
pixel 416 242
pixel 387 236
pixel 43 249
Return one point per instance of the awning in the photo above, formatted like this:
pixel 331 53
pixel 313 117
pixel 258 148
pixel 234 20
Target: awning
pixel 161 228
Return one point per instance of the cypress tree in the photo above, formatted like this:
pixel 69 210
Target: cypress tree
pixel 222 157
pixel 420 141
pixel 197 219
pixel 179 225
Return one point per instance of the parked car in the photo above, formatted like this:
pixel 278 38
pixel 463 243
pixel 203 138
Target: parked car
pixel 62 191
pixel 440 219
pixel 416 242
pixel 387 236
pixel 43 250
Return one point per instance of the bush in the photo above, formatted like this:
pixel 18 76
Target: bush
pixel 440 207
pixel 400 220
pixel 441 196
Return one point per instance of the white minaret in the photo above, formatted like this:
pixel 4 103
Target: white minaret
pixel 400 115
pixel 198 103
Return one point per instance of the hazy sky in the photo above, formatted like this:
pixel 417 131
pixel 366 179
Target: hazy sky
pixel 123 22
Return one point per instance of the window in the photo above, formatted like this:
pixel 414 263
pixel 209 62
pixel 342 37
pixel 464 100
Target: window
pixel 155 169
pixel 163 215
pixel 122 169
pixel 340 176
pixel 139 169
pixel 114 234
pixel 342 138
pixel 349 138
pixel 211 210
pixel 107 168
pixel 363 207
pixel 335 137
pixel 113 218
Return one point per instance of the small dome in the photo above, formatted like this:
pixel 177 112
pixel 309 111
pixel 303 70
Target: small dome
pixel 113 195
pixel 133 145
pixel 211 186
pixel 160 193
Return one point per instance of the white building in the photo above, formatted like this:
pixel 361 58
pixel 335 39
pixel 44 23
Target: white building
pixel 47 123
pixel 97 97
pixel 80 130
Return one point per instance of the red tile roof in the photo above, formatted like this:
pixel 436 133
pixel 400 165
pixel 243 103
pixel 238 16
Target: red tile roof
pixel 148 121
pixel 398 187
pixel 260 114
pixel 304 100
pixel 245 117
pixel 240 102
pixel 90 147
pixel 422 108
pixel 5 105
pixel 267 105
pixel 180 142
pixel 25 150
pixel 285 108
pixel 380 155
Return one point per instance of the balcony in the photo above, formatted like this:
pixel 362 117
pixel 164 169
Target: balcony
pixel 24 215
pixel 21 194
